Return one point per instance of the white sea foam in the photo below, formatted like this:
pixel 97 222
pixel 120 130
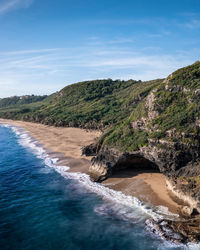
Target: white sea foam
pixel 165 211
pixel 127 207
pixel 27 141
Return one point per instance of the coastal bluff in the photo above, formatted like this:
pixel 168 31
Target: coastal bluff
pixel 172 146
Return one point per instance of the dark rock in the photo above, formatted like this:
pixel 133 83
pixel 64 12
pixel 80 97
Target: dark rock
pixel 90 150
pixel 181 231
pixel 109 160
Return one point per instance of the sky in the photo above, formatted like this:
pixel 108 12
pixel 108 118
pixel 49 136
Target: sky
pixel 48 44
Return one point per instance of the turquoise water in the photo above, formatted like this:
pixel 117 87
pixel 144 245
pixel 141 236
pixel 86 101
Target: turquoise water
pixel 44 207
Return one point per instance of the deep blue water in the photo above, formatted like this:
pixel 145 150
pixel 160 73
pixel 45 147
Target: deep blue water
pixel 40 209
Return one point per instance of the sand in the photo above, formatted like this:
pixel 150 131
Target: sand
pixel 66 143
pixel 148 186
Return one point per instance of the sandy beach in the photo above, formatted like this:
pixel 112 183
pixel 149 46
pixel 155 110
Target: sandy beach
pixel 66 143
pixel 148 186
pixel 63 142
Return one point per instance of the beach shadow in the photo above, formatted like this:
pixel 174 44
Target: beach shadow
pixel 133 165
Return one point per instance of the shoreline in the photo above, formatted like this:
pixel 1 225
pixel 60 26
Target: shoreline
pixel 148 186
pixel 62 142
pixel 65 143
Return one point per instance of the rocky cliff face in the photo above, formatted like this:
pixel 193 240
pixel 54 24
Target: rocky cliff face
pixel 110 160
pixel 178 168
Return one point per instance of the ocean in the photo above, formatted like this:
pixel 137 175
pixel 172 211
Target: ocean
pixel 43 206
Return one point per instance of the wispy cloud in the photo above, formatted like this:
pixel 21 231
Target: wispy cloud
pixel 8 5
pixel 47 70
pixel 113 41
pixel 65 60
pixel 23 52
pixel 125 21
pixel 193 24
pixel 161 33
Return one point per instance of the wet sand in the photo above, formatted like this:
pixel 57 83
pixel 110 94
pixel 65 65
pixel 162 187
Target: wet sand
pixel 66 143
pixel 148 186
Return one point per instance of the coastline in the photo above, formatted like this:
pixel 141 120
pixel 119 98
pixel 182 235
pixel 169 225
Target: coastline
pixel 62 142
pixel 65 144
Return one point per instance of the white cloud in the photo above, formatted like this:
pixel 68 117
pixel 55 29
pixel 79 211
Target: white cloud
pixel 23 52
pixel 193 24
pixel 8 5
pixel 114 41
pixel 48 70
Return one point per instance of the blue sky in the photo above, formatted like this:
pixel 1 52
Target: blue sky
pixel 47 44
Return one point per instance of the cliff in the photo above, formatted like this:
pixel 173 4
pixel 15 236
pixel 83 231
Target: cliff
pixel 162 132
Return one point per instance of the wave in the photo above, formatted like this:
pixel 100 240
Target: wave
pixel 124 206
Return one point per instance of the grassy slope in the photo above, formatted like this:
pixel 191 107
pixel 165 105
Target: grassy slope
pixel 113 105
pixel 17 101
pixel 179 104
pixel 91 104
pixel 178 107
pixel 15 108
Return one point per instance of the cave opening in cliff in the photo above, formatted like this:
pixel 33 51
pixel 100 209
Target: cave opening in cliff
pixel 136 163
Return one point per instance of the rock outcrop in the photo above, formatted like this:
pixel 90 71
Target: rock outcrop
pixel 90 150
pixel 110 160
pixel 177 167
pixel 177 231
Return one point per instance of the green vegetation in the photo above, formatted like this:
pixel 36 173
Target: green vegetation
pixel 92 104
pixel 178 104
pixel 113 106
pixel 125 138
pixel 20 100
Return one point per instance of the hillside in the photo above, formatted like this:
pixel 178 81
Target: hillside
pixel 20 100
pixel 166 122
pixel 162 131
pixel 92 104
pixel 131 113
pixel 171 110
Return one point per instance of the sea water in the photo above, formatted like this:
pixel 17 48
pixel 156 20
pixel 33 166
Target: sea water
pixel 43 206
